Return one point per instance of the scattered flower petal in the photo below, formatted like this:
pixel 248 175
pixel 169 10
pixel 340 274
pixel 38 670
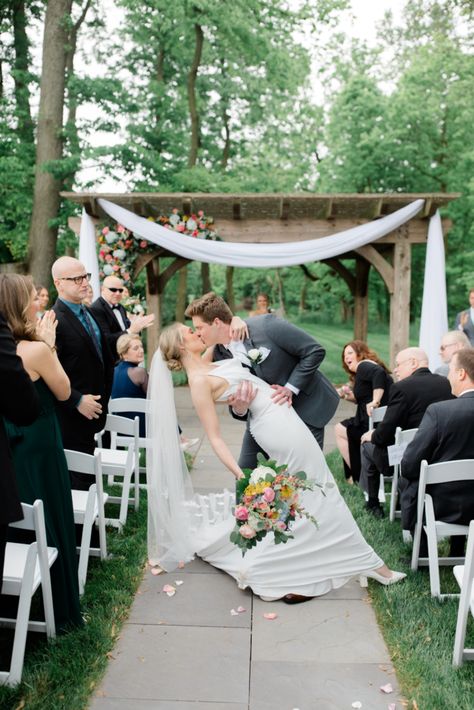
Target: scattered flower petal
pixel 241 609
pixel 178 582
pixel 180 565
pixel 386 688
pixel 169 590
pixel 270 615
pixel 392 706
pixel 156 570
pixel 356 704
pixel 233 612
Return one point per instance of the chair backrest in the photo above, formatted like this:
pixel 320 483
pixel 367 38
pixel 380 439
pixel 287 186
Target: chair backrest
pixel 82 463
pixel 404 436
pixel 129 404
pixel 33 519
pixel 122 425
pixel 377 416
pixel 443 472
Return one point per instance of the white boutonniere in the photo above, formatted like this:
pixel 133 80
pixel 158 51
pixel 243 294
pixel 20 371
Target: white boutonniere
pixel 257 355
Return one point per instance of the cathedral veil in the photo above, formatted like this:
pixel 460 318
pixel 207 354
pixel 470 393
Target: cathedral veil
pixel 170 491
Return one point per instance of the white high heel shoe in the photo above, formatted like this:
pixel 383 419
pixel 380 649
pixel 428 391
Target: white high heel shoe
pixel 373 574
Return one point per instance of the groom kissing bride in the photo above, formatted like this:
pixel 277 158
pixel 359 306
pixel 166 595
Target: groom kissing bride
pixel 285 357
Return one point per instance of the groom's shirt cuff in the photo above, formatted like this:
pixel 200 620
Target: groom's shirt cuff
pixel 295 390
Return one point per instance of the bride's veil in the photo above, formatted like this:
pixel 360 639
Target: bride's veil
pixel 170 491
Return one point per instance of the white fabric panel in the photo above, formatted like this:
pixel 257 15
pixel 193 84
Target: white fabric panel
pixel 434 310
pixel 261 255
pixel 88 251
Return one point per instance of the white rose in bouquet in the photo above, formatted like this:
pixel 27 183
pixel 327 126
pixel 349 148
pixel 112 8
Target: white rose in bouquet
pixel 259 473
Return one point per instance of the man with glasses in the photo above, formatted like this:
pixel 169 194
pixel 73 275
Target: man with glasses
pixel 112 316
pixel 85 355
pixel 451 343
pixel 415 389
pixel 446 433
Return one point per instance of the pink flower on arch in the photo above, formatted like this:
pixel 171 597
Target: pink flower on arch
pixel 116 267
pixel 180 228
pixel 200 213
pixel 143 244
pixel 108 257
pixel 105 231
pixel 120 228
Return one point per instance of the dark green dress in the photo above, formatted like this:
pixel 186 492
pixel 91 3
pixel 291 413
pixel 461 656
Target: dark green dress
pixel 41 472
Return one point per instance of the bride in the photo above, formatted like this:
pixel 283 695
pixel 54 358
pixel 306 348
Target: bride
pixel 181 524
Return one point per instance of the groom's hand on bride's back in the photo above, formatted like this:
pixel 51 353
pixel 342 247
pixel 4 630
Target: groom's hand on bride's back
pixel 282 395
pixel 243 398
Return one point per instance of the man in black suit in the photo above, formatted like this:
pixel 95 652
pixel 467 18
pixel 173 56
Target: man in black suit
pixel 446 433
pixel 415 389
pixel 289 361
pixel 112 316
pixel 86 358
pixel 20 404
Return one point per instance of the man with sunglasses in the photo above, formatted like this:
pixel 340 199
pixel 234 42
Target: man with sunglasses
pixel 85 355
pixel 112 316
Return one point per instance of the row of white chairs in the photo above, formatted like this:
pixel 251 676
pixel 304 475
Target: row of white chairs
pixel 27 566
pixel 436 530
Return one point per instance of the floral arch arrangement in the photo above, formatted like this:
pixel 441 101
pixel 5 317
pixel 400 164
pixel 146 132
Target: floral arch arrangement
pixel 119 248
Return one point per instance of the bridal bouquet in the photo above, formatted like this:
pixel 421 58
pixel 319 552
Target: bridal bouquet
pixel 268 501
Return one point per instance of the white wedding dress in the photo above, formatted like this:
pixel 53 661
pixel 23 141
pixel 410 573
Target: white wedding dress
pixel 318 559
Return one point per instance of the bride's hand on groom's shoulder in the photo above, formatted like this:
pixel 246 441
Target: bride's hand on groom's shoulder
pixel 238 329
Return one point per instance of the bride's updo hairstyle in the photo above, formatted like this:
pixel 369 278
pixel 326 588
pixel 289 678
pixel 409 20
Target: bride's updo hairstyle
pixel 170 343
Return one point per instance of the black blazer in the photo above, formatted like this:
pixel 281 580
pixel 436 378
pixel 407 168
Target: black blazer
pixel 87 373
pixel 294 357
pixel 446 433
pixel 20 404
pixel 407 403
pixel 108 323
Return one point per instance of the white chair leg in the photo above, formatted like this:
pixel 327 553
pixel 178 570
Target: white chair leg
pixel 430 529
pixel 461 624
pixel 394 494
pixel 416 546
pixel 86 538
pixel 23 615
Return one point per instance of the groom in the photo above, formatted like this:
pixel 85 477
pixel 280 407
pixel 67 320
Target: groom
pixel 284 356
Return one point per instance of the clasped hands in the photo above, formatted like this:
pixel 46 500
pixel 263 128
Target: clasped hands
pixel 245 393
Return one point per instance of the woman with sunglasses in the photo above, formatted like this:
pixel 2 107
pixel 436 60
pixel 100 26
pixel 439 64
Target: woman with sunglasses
pixel 112 316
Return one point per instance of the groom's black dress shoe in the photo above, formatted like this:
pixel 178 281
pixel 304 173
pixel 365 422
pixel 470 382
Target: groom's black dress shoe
pixel 295 599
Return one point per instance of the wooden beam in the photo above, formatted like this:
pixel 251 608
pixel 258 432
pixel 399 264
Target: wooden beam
pixel 378 262
pixel 400 298
pixel 342 271
pixel 361 300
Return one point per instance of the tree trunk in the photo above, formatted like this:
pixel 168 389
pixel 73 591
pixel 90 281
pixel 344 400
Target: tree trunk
pixel 303 292
pixel 181 293
pixel 193 112
pixel 229 280
pixel 281 294
pixel 205 278
pixel 20 72
pixel 46 200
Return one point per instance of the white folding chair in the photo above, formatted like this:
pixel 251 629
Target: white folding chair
pixel 121 462
pixel 402 438
pixel 25 568
pixel 375 418
pixel 444 472
pixel 464 576
pixel 88 509
pixel 131 404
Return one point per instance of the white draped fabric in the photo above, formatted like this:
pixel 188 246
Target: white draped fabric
pixel 261 255
pixel 88 251
pixel 434 311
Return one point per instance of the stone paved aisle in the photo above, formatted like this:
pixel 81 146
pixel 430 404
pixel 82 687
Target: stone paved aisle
pixel 188 652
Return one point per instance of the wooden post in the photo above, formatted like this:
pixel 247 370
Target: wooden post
pixel 229 280
pixel 153 299
pixel 361 300
pixel 181 294
pixel 400 299
pixel 205 278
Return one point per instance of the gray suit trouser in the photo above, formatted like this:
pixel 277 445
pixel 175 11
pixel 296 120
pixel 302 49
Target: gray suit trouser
pixel 250 448
pixel 374 462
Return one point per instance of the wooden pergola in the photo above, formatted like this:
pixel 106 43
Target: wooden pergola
pixel 293 217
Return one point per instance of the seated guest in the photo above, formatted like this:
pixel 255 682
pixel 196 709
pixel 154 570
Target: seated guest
pixel 38 456
pixel 371 381
pixel 20 404
pixel 129 379
pixel 132 381
pixel 453 341
pixel 112 316
pixel 415 389
pixel 465 319
pixel 446 433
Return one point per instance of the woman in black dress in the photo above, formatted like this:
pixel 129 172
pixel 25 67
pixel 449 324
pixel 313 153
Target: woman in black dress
pixel 371 382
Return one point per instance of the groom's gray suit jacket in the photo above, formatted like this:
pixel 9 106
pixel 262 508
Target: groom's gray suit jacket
pixel 294 358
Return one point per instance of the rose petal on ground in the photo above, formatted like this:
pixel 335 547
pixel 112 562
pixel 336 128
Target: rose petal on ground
pixel 241 609
pixel 356 704
pixel 178 582
pixel 171 594
pixel 270 615
pixel 386 688
pixel 233 612
pixel 169 588
pixel 392 706
pixel 180 564
pixel 156 570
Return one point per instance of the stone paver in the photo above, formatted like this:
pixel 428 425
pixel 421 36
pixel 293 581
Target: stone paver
pixel 187 652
